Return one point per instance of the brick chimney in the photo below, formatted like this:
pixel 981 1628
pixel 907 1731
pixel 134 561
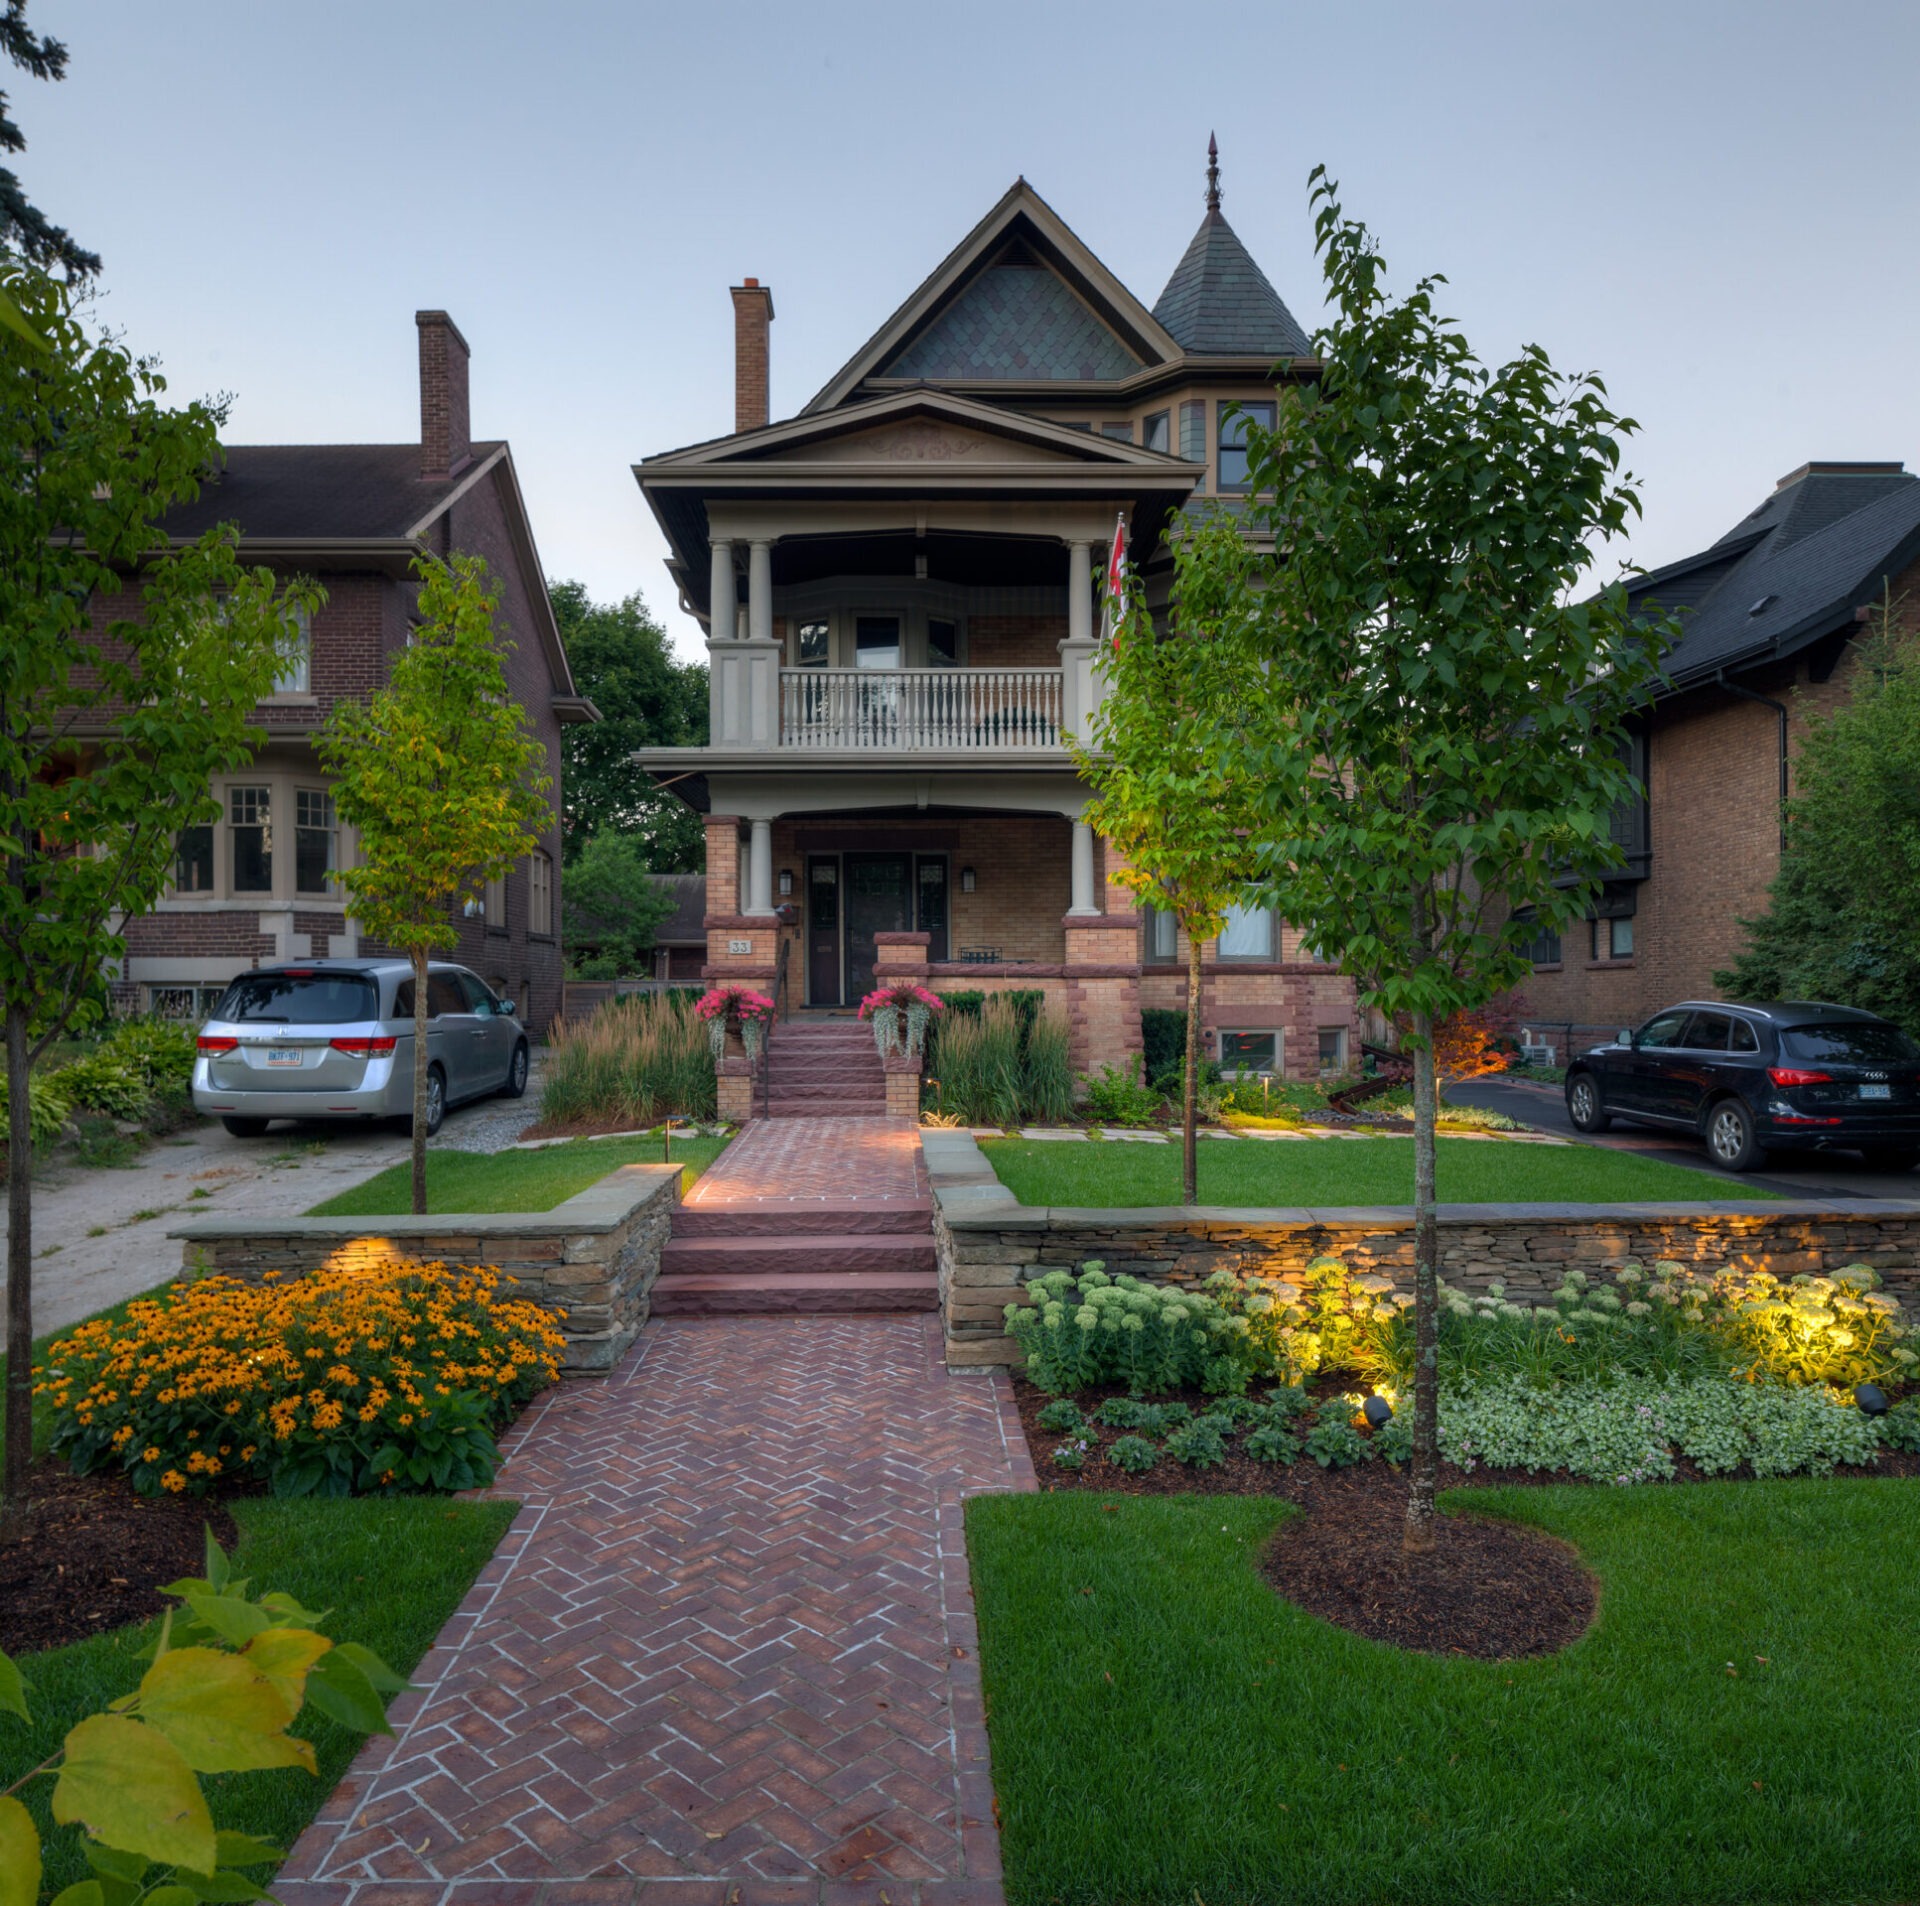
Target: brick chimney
pixel 752 313
pixel 446 434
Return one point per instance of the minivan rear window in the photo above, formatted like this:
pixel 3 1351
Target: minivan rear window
pixel 300 999
pixel 1862 1045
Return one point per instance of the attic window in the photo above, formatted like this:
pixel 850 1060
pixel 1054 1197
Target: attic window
pixel 1765 602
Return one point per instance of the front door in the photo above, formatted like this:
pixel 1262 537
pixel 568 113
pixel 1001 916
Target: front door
pixel 823 931
pixel 879 899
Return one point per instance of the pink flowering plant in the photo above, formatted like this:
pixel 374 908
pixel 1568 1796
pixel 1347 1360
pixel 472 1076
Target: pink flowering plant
pixel 900 1016
pixel 735 1005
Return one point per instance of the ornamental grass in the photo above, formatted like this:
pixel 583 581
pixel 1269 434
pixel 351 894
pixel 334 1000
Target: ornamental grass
pixel 384 1377
pixel 639 1059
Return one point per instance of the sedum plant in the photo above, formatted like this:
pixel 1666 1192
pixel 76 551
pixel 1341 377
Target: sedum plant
pixel 1086 1329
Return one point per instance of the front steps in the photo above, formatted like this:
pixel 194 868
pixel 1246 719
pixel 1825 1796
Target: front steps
pixel 824 1069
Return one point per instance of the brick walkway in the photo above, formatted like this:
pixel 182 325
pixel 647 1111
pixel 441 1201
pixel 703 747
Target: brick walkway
pixel 850 1163
pixel 726 1654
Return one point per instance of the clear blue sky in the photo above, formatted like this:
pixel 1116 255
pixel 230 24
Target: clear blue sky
pixel 1712 204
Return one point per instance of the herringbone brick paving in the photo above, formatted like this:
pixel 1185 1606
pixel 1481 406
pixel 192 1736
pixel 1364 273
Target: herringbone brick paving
pixel 871 1162
pixel 726 1654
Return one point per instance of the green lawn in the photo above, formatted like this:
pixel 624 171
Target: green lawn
pixel 391 1570
pixel 1181 1733
pixel 1336 1171
pixel 513 1181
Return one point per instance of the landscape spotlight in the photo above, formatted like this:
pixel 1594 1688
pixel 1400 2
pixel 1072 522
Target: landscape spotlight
pixel 1871 1398
pixel 1378 1411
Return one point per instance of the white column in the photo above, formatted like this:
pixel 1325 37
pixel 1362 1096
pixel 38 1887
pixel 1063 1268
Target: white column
pixel 1083 895
pixel 760 592
pixel 1079 592
pixel 742 878
pixel 760 869
pixel 721 619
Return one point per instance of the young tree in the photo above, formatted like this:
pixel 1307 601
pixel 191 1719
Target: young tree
pixel 1426 723
pixel 1163 792
pixel 109 729
pixel 442 781
pixel 613 905
pixel 622 661
pixel 1843 916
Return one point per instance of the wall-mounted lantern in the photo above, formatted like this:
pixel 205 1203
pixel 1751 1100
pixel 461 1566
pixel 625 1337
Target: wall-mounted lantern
pixel 786 882
pixel 966 879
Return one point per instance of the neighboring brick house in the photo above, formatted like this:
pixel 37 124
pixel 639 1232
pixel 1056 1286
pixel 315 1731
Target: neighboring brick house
pixel 1769 615
pixel 256 885
pixel 680 940
pixel 916 633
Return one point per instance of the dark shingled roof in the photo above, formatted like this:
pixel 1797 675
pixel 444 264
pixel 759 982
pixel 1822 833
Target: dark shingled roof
pixel 1826 543
pixel 1016 319
pixel 344 491
pixel 1218 302
pixel 686 925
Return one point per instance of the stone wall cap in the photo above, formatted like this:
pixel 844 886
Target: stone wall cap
pixel 603 1206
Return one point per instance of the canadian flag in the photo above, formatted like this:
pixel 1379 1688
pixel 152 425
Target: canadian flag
pixel 1117 561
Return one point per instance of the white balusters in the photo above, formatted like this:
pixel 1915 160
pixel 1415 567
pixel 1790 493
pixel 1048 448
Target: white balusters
pixel 909 709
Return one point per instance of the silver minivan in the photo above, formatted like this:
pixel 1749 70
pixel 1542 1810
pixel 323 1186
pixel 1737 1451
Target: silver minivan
pixel 334 1039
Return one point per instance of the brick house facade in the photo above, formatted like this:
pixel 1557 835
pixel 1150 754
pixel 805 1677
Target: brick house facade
pixel 255 886
pixel 1769 615
pixel 898 590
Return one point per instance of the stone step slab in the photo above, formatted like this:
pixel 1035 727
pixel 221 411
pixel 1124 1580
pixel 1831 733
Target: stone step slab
pixel 789 1219
pixel 696 1294
pixel 828 1252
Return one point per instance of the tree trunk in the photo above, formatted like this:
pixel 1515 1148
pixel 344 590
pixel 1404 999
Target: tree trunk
pixel 1189 1135
pixel 419 1082
pixel 1425 1467
pixel 19 1405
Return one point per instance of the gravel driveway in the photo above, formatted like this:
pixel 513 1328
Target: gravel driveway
pixel 100 1235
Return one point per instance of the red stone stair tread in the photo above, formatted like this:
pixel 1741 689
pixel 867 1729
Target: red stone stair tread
pixel 678 1293
pixel 779 1218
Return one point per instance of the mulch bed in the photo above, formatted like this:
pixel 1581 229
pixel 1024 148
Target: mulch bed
pixel 1495 1590
pixel 1489 1589
pixel 90 1555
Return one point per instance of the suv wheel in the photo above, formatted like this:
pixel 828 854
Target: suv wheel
pixel 436 1100
pixel 1731 1140
pixel 516 1084
pixel 1583 1104
pixel 245 1127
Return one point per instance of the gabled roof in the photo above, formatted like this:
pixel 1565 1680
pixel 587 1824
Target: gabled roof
pixel 1824 545
pixel 1090 319
pixel 1218 302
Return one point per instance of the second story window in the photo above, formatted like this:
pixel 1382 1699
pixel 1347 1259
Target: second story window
pixel 250 824
pixel 1193 435
pixel 1233 440
pixel 315 839
pixel 1154 435
pixel 539 894
pixel 876 641
pixel 813 644
pixel 1247 935
pixel 497 902
pixel 193 860
pixel 296 657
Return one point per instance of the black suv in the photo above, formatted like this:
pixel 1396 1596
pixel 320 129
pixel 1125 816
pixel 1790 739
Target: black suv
pixel 1799 1076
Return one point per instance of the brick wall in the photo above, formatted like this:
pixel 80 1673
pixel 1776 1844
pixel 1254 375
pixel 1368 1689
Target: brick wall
pixel 1015 641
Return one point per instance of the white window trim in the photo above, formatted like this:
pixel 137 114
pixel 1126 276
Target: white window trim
pixel 284 784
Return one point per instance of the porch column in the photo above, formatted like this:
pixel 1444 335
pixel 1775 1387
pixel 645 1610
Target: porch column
pixel 1083 895
pixel 760 592
pixel 760 869
pixel 1079 592
pixel 722 619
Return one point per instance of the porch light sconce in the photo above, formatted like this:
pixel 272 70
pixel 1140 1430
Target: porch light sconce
pixel 786 882
pixel 966 879
pixel 1378 1411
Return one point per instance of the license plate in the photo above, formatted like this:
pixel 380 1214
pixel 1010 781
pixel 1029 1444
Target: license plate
pixel 285 1056
pixel 1876 1091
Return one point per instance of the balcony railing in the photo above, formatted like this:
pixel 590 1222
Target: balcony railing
pixel 984 709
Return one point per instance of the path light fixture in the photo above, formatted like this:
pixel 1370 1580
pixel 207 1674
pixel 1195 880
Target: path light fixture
pixel 1378 1411
pixel 1871 1398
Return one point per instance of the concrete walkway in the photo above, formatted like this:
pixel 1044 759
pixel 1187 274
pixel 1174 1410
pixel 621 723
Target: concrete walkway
pixel 99 1233
pixel 725 1656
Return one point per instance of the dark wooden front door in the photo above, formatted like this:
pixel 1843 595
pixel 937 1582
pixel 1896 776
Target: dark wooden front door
pixel 879 899
pixel 823 931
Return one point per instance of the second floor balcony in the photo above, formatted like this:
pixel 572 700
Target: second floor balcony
pixel 969 710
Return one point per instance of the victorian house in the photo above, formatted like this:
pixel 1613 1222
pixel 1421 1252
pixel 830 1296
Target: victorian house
pixel 259 884
pixel 898 589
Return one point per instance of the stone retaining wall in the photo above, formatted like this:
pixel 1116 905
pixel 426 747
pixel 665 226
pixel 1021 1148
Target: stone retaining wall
pixel 989 1245
pixel 594 1257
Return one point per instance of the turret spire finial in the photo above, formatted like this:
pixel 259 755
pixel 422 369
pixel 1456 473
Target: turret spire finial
pixel 1213 174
